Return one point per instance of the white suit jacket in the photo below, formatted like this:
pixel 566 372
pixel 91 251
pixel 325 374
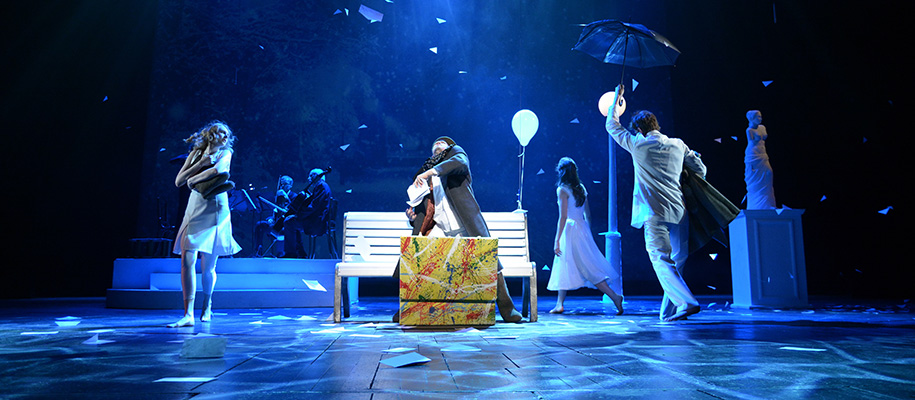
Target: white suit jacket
pixel 658 162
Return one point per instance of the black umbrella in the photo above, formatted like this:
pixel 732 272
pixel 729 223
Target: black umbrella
pixel 616 42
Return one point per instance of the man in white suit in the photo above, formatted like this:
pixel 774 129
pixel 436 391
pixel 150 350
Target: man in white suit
pixel 657 203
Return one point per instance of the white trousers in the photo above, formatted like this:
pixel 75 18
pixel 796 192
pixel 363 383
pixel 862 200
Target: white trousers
pixel 668 246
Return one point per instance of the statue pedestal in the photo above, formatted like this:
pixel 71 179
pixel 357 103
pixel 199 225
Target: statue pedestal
pixel 767 259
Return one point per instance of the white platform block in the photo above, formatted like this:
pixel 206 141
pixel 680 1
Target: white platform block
pixel 155 283
pixel 767 259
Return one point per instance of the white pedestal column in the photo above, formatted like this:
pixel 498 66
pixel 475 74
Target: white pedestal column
pixel 767 259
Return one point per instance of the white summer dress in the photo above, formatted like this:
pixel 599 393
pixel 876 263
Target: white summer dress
pixel 581 263
pixel 207 224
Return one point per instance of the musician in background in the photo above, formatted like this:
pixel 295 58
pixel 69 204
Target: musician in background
pixel 283 198
pixel 307 216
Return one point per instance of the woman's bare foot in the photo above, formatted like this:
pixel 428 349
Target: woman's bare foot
pixel 559 309
pixel 187 320
pixel 206 315
pixel 618 302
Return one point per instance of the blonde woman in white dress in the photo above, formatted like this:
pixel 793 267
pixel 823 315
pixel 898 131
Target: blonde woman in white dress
pixel 578 262
pixel 207 226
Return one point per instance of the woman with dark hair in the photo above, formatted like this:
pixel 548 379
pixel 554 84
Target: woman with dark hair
pixel 207 224
pixel 578 261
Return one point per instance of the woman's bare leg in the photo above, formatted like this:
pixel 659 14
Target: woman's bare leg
pixel 560 299
pixel 188 288
pixel 208 281
pixel 617 299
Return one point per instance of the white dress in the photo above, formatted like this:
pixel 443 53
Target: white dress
pixel 207 225
pixel 581 263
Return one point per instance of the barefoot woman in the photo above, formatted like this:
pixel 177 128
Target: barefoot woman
pixel 207 226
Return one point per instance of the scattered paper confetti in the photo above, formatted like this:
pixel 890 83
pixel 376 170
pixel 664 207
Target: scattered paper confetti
pixel 363 126
pixel 306 318
pixel 596 182
pixel 262 47
pixel 718 140
pixel 191 379
pixel 541 172
pixel 279 318
pixel 344 147
pixel 105 99
pixel 546 267
pixel 574 121
pixel 823 198
pixel 67 323
pixel 767 83
pixel 799 348
pixel 405 360
pixel 504 77
pixel 349 190
pixel 635 84
pixel 885 211
pixel 40 333
pixel 94 340
pixel 370 14
pixel 338 12
pixel 734 137
pixel 710 305
pixel 440 20
pixel 314 285
pixel 399 350
pixel 434 49
pixel 713 256
pixel 711 287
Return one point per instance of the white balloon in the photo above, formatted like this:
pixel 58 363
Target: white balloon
pixel 525 124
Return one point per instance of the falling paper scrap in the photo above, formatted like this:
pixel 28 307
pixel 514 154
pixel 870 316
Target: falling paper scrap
pixel 767 83
pixel 314 285
pixel 67 323
pixel 713 256
pixel 885 211
pixel 405 360
pixel 344 147
pixel 363 126
pixel 441 21
pixel 718 140
pixel 635 84
pixel 434 49
pixel 574 121
pixel 370 14
pixel 541 172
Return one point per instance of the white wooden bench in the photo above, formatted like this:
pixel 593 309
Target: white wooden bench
pixel 372 248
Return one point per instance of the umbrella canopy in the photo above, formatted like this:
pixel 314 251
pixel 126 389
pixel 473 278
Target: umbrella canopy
pixel 633 45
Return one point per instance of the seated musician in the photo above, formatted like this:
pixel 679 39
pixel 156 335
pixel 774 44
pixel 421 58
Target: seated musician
pixel 283 198
pixel 306 215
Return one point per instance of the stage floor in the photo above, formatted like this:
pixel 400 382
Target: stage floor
pixel 838 349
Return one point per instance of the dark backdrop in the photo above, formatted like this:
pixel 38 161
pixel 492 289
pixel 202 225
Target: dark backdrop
pixel 96 97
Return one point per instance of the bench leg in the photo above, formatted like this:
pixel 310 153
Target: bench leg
pixel 337 296
pixel 345 297
pixel 525 296
pixel 533 297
